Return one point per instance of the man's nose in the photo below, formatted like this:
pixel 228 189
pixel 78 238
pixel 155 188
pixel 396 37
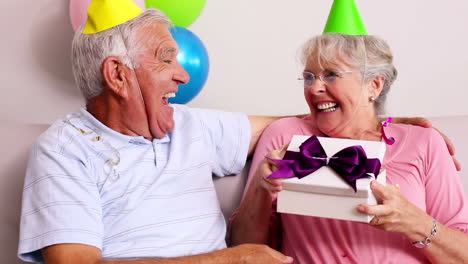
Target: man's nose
pixel 180 75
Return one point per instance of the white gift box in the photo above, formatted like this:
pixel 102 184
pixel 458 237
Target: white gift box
pixel 324 193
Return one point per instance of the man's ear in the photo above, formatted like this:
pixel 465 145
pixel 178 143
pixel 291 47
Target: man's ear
pixel 376 86
pixel 116 76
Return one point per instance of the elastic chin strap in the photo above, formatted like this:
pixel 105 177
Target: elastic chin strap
pixel 363 75
pixel 388 140
pixel 132 64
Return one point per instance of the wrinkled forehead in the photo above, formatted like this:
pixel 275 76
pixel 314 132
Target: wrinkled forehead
pixel 157 38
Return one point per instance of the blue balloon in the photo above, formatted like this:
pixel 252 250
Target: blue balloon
pixel 194 58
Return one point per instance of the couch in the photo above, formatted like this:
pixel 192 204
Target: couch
pixel 16 141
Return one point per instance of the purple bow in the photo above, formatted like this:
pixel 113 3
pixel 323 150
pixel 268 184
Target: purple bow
pixel 350 163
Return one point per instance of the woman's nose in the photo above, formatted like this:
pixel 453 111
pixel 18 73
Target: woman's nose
pixel 317 87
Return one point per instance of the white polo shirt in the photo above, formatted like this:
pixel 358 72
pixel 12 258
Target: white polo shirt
pixel 128 196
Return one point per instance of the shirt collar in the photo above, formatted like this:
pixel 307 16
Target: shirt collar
pixel 117 139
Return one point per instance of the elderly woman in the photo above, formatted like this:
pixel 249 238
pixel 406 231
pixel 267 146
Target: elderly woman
pixel 346 80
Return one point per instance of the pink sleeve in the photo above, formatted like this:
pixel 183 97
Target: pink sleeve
pixel 445 197
pixel 274 137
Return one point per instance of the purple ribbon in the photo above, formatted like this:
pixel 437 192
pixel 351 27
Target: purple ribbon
pixel 350 163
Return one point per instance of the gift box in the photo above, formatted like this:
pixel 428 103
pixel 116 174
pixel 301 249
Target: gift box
pixel 324 193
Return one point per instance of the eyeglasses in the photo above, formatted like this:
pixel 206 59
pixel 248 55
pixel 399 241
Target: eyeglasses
pixel 329 78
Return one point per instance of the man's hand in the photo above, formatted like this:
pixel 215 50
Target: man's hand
pixel 415 121
pixel 423 122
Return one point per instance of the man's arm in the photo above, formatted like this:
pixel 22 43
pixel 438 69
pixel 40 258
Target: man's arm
pixel 84 254
pixel 258 124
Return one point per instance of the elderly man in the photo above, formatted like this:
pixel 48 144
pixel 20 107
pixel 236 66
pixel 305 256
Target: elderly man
pixel 129 178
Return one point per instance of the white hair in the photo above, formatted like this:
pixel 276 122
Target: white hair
pixel 370 54
pixel 90 50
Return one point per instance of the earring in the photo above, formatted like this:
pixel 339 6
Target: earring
pixel 372 98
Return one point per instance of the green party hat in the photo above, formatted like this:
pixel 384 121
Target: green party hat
pixel 344 18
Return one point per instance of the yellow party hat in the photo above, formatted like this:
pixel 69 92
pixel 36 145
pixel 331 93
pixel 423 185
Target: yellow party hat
pixel 105 14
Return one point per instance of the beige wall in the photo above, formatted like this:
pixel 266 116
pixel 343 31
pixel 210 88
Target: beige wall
pixel 253 48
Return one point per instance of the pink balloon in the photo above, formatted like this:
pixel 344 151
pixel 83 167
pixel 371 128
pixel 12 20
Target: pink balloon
pixel 140 3
pixel 79 10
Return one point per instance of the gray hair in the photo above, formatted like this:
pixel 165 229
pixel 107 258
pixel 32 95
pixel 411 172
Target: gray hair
pixel 90 50
pixel 370 54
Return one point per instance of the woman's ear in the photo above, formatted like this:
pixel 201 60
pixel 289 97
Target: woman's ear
pixel 376 86
pixel 115 75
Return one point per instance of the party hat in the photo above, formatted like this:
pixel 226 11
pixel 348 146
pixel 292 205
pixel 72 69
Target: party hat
pixel 344 18
pixel 105 14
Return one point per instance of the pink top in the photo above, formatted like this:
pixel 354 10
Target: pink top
pixel 418 161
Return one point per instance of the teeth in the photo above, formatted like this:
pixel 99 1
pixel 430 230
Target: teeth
pixel 329 110
pixel 169 95
pixel 326 106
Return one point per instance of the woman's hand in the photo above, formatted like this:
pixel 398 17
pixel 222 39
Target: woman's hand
pixel 396 214
pixel 266 168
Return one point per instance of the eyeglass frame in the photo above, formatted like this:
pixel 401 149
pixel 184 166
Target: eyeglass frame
pixel 321 77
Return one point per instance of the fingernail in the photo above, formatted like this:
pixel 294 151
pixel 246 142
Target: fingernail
pixel 360 208
pixel 289 259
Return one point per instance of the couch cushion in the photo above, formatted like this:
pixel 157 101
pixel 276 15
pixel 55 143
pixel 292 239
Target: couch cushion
pixel 230 190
